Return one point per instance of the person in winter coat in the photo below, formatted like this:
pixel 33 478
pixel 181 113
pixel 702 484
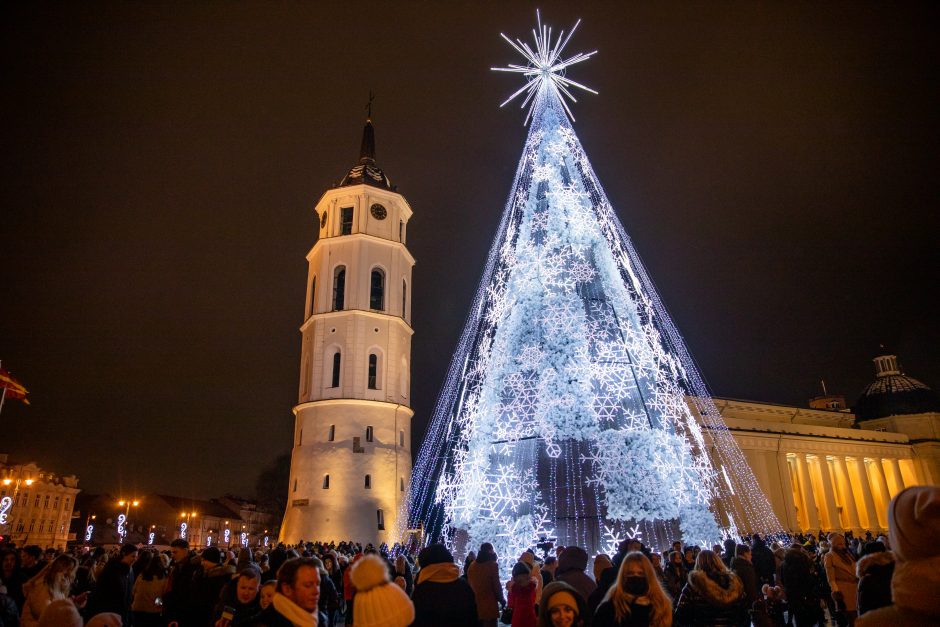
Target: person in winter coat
pixel 523 595
pixel 713 596
pixel 874 572
pixel 329 598
pixel 241 597
pixel 913 529
pixel 379 603
pixel 177 600
pixel 796 577
pixel 349 590
pixel 208 583
pixel 605 574
pixel 114 591
pixel 403 570
pixel 840 573
pixel 147 606
pixel 562 606
pixel 441 596
pixel 744 569
pixel 675 575
pixel 295 602
pixel 765 565
pixel 637 599
pixel 571 566
pixel 52 583
pixel 483 577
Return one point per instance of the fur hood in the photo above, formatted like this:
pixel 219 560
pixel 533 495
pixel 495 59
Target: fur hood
pixel 915 583
pixel 709 588
pixel 873 561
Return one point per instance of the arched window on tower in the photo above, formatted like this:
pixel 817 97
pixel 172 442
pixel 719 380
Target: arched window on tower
pixel 337 361
pixel 339 288
pixel 369 433
pixel 368 482
pixel 326 482
pixel 380 518
pixel 377 290
pixel 373 371
pixel 332 435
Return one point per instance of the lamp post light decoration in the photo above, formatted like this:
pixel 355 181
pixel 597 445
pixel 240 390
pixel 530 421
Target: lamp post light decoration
pixel 8 502
pixel 89 527
pixel 122 518
pixel 186 518
pixel 227 535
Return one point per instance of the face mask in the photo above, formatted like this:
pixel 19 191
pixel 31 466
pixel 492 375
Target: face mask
pixel 636 585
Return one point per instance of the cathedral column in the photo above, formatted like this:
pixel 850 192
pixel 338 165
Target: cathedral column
pixel 871 514
pixel 806 485
pixel 847 494
pixel 898 477
pixel 829 498
pixel 879 474
pixel 783 471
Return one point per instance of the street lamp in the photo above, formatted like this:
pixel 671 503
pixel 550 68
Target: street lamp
pixel 185 520
pixel 7 502
pixel 122 518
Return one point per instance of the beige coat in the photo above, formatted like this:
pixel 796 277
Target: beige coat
pixel 484 579
pixel 915 587
pixel 840 573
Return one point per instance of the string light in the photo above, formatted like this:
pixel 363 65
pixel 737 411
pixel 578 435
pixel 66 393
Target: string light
pixel 150 537
pixel 121 519
pixel 183 527
pixel 6 504
pixel 89 530
pixel 572 407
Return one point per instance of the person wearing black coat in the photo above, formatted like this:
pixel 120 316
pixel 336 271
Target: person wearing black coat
pixel 177 600
pixel 765 565
pixel 241 596
pixel 441 596
pixel 874 578
pixel 114 590
pixel 713 596
pixel 605 581
pixel 799 585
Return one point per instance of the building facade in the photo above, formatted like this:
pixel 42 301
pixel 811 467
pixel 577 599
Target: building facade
pixel 829 468
pixel 35 505
pixel 351 460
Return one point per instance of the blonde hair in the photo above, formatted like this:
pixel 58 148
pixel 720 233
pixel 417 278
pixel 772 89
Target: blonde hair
pixel 617 595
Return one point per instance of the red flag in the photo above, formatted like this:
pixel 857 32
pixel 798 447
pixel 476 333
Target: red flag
pixel 14 389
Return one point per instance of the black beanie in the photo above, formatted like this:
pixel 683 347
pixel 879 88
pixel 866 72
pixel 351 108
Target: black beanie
pixel 521 568
pixel 435 554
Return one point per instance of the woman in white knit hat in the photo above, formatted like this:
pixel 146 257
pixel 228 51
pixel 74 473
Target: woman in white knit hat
pixel 379 603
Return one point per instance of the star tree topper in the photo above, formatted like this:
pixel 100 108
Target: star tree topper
pixel 545 72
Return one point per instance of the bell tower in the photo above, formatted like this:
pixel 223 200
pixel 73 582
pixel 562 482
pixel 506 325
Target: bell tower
pixel 351 460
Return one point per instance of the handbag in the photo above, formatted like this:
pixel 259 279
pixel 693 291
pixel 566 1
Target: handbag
pixel 506 616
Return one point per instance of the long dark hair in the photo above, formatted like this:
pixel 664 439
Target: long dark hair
pixel 486 553
pixel 154 569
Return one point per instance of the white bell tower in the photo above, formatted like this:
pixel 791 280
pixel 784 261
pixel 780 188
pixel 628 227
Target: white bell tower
pixel 351 461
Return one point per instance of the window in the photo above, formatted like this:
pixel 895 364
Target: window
pixel 337 359
pixel 347 220
pixel 401 231
pixel 369 434
pixel 402 479
pixel 295 485
pixel 339 288
pixel 373 368
pixel 332 435
pixel 36 503
pixel 45 502
pixel 32 524
pixel 401 438
pixel 368 482
pixel 313 296
pixel 380 519
pixel 67 501
pixel 42 526
pixel 326 482
pixel 55 503
pixel 404 298
pixel 377 290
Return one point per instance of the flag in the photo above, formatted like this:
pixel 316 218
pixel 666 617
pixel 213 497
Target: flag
pixel 14 389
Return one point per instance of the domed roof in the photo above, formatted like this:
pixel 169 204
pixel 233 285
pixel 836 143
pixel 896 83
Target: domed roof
pixel 893 393
pixel 366 171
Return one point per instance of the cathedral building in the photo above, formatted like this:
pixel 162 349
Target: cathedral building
pixel 351 460
pixel 830 468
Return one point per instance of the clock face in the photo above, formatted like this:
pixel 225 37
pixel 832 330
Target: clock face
pixel 378 211
pixel 323 220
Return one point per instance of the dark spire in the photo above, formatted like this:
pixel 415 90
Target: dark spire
pixel 367 150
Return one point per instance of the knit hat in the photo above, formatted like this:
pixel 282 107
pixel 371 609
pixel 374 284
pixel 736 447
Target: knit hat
pixel 435 554
pixel 379 603
pixel 521 568
pixel 562 597
pixel 212 555
pixel 914 523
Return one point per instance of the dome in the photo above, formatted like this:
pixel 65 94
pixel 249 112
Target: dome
pixel 893 393
pixel 366 171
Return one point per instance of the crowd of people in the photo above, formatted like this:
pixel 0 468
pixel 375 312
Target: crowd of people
pixel 806 580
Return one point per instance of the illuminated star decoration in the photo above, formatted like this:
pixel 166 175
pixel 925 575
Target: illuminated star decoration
pixel 546 68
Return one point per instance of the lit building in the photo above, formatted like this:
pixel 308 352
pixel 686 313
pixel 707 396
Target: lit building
pixel 36 504
pixel 351 461
pixel 825 467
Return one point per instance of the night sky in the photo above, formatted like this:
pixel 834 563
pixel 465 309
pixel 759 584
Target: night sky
pixel 774 163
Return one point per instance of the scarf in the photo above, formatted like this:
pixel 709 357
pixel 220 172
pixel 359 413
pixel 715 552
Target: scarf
pixel 439 573
pixel 297 615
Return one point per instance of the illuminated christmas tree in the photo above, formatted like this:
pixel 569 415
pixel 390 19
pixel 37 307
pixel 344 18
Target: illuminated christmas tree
pixel 569 410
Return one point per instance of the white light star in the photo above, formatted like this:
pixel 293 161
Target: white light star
pixel 545 72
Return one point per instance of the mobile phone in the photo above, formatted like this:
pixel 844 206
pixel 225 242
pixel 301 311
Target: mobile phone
pixel 228 613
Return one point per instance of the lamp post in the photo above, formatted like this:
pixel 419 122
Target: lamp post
pixel 122 518
pixel 186 519
pixel 90 527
